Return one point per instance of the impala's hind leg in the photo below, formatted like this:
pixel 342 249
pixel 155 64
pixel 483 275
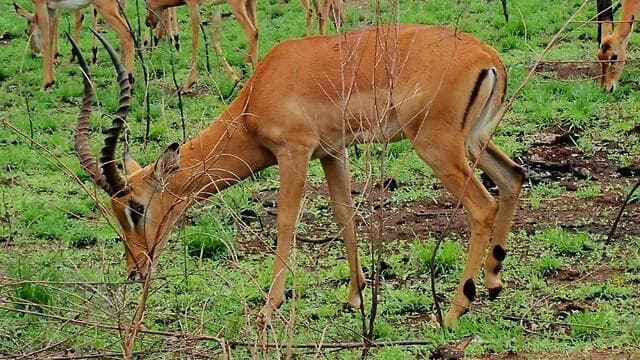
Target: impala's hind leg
pixel 446 157
pixel 336 171
pixel 509 177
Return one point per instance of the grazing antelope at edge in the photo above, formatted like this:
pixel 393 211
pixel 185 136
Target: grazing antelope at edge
pixel 43 30
pixel 613 43
pixel 310 99
pixel 243 10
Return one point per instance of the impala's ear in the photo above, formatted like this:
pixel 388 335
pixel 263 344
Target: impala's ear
pixel 167 165
pixel 130 165
pixel 22 12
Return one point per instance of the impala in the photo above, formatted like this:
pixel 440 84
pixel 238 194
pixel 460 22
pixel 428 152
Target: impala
pixel 35 41
pixel 328 8
pixel 243 10
pixel 310 99
pixel 613 43
pixel 43 30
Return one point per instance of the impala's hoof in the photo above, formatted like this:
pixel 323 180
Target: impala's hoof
pixel 264 316
pixel 47 85
pixel 494 292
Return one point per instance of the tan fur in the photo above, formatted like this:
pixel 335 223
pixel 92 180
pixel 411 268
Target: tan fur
pixel 243 10
pixel 614 43
pixel 45 23
pixel 310 99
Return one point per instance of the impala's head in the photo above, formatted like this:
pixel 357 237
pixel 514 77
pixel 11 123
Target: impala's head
pixel 32 31
pixel 613 55
pixel 144 210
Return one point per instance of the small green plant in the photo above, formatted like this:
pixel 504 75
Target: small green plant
pixel 548 265
pixel 448 258
pixel 587 191
pixel 209 240
pixel 31 296
pixel 588 325
pixel 564 242
pixel 542 192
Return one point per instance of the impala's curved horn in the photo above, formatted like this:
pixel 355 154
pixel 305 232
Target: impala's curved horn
pixel 81 137
pixel 115 181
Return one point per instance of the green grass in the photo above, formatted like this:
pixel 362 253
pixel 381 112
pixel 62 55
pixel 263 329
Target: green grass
pixel 65 260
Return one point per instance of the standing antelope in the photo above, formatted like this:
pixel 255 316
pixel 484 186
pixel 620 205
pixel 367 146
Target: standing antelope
pixel 43 30
pixel 613 43
pixel 243 10
pixel 310 99
pixel 329 8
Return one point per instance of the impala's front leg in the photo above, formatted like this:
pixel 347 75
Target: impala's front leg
pixel 54 17
pixel 78 17
pixel 336 169
pixel 293 164
pixel 194 10
pixel 44 23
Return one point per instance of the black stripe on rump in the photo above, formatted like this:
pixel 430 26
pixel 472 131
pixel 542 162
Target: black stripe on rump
pixel 474 94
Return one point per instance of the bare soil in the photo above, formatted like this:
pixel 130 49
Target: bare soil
pixel 552 159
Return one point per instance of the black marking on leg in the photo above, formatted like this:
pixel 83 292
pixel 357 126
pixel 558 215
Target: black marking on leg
pixel 497 269
pixel 499 253
pixel 469 290
pixel 94 58
pixel 474 93
pixel 493 293
pixel 131 79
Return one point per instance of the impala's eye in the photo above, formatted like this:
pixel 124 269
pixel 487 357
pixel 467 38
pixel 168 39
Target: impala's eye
pixel 135 212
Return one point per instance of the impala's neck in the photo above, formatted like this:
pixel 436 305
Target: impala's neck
pixel 220 156
pixel 629 11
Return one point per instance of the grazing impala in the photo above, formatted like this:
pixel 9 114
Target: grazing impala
pixel 310 99
pixel 243 10
pixel 43 30
pixel 613 43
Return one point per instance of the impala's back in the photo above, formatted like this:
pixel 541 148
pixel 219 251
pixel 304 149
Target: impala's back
pixel 345 84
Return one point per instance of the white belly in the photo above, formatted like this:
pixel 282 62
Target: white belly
pixel 68 4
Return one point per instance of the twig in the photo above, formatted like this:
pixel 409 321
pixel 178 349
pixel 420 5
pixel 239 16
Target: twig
pixel 624 205
pixel 206 47
pixel 178 91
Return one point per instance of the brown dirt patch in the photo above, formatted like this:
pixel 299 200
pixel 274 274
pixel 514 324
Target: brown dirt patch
pixel 565 71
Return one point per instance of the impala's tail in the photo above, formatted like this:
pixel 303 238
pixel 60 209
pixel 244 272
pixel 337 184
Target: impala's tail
pixel 490 86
